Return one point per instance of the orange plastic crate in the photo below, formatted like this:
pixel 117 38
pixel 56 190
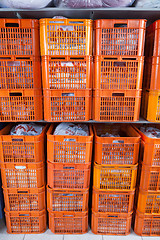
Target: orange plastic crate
pixel 116 105
pixel 147 225
pixel 150 178
pixel 25 200
pixel 69 149
pixel 152 46
pixel 68 222
pixel 67 72
pixel 26 223
pixel 115 177
pixel 111 223
pixel 20 73
pixel 20 175
pixel 116 150
pixel 20 105
pixel 67 200
pixel 19 37
pixel 67 176
pixel 118 73
pixel 152 73
pixel 67 105
pixel 112 201
pixel 22 149
pixel 148 202
pixel 150 147
pixel 60 37
pixel 124 37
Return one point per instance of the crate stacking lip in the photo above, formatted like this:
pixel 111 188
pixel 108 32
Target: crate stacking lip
pixel 67 72
pixel 148 202
pixel 61 37
pixel 112 201
pixel 67 176
pixel 114 177
pixel 147 224
pixel 116 150
pixel 24 200
pixel 111 223
pixel 123 73
pixel 19 37
pixel 23 175
pixel 150 147
pixel 69 149
pixel 116 105
pixel 152 46
pixel 151 105
pixel 21 149
pixel 68 222
pixel 119 37
pixel 26 223
pixel 21 105
pixel 67 200
pixel 150 178
pixel 67 105
pixel 20 73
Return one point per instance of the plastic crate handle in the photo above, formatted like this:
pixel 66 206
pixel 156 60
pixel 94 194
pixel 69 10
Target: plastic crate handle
pixel 68 167
pixel 113 216
pixel 12 24
pixel 17 140
pixel 22 191
pixel 120 25
pixel 15 94
pixel 117 94
pixel 24 215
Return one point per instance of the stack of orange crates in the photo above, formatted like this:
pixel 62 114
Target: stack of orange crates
pixel 118 69
pixel 151 86
pixel 66 50
pixel 23 181
pixel 20 70
pixel 114 179
pixel 147 220
pixel 69 165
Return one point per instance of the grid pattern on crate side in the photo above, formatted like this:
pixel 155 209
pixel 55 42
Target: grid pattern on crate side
pixel 69 178
pixel 119 74
pixel 121 41
pixel 69 152
pixel 152 204
pixel 111 225
pixel 16 41
pixel 68 75
pixel 67 202
pixel 66 40
pixel 17 108
pixel 21 202
pixel 154 181
pixel 117 108
pixel 151 227
pixel 17 152
pixel 69 225
pixel 115 178
pixel 21 178
pixel 67 108
pixel 156 154
pixel 158 110
pixel 113 202
pixel 121 152
pixel 24 224
pixel 16 74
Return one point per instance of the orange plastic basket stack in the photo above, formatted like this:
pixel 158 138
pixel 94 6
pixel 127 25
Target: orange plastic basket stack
pixel 114 178
pixel 66 50
pixel 151 87
pixel 68 178
pixel 147 220
pixel 118 69
pixel 23 179
pixel 20 71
